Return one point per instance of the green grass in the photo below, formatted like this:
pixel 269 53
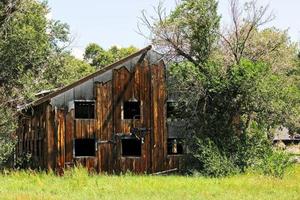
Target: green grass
pixel 79 185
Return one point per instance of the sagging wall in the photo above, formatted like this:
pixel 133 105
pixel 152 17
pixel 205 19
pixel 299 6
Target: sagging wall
pixel 146 82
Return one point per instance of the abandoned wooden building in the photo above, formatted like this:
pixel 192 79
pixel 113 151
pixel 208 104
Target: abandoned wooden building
pixel 113 120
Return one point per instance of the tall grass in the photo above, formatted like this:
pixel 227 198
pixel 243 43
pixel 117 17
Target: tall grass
pixel 78 184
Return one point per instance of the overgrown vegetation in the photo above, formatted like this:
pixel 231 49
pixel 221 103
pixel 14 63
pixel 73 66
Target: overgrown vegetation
pixel 276 164
pixel 34 56
pixel 78 184
pixel 231 85
pixel 99 57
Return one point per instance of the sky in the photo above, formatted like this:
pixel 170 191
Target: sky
pixel 114 22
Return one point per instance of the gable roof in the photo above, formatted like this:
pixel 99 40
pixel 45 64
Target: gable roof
pixel 45 98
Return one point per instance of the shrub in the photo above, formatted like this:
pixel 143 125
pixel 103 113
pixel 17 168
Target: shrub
pixel 7 147
pixel 24 161
pixel 207 159
pixel 254 147
pixel 7 138
pixel 275 164
pixel 217 156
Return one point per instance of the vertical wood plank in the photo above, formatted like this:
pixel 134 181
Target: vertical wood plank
pixel 50 138
pixel 69 137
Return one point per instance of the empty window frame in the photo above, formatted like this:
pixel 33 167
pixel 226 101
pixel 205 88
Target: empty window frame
pixel 84 109
pixel 175 146
pixel 84 148
pixel 132 110
pixel 175 110
pixel 131 147
pixel 171 109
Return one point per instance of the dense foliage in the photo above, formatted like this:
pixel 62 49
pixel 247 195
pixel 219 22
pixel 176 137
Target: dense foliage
pixel 33 57
pixel 232 88
pixel 99 58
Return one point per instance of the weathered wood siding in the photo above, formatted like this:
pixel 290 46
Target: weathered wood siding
pixel 126 85
pixel 48 133
pixel 104 127
pixel 158 94
pixel 32 136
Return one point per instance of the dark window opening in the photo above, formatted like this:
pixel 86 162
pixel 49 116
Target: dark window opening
pixel 131 147
pixel 132 110
pixel 175 146
pixel 84 109
pixel 176 110
pixel 171 111
pixel 84 147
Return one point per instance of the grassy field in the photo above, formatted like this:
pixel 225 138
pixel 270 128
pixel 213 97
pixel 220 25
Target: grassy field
pixel 79 185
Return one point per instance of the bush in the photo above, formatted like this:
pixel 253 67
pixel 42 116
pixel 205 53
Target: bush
pixel 217 156
pixel 254 147
pixel 275 164
pixel 208 160
pixel 258 154
pixel 7 147
pixel 7 138
pixel 24 161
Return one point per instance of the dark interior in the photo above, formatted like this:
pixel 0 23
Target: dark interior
pixel 175 146
pixel 132 110
pixel 131 147
pixel 170 109
pixel 84 109
pixel 85 147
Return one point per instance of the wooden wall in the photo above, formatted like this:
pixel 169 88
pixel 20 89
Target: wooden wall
pixel 32 136
pixel 126 85
pixel 52 130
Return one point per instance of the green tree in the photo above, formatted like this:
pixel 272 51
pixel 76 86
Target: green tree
pixel 229 96
pixel 27 41
pixel 272 46
pixel 189 32
pixel 30 46
pixel 119 53
pixel 99 58
pixel 65 70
